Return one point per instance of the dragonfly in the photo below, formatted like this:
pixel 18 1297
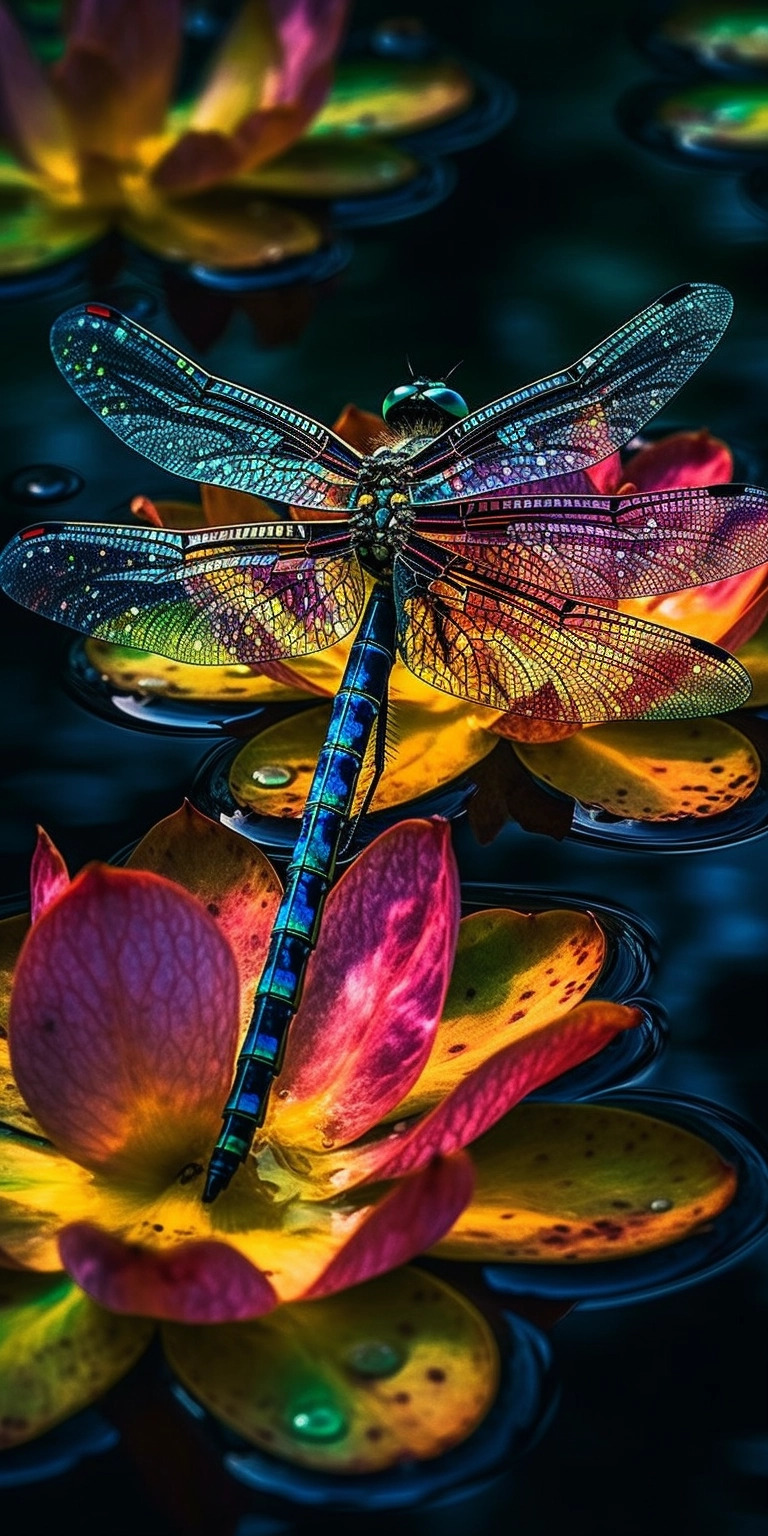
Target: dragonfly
pixel 471 544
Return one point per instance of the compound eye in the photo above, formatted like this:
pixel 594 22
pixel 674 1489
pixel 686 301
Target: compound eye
pixel 448 400
pixel 396 397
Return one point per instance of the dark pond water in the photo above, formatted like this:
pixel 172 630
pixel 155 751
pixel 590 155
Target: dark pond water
pixel 557 232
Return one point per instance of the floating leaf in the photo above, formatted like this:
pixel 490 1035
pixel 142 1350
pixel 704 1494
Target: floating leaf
pixel 399 1368
pixel 379 96
pixel 429 748
pixel 513 973
pixel 58 1352
pixel 146 673
pixel 317 168
pixel 724 116
pixel 222 229
pixel 651 770
pixel 562 1182
pixel 35 233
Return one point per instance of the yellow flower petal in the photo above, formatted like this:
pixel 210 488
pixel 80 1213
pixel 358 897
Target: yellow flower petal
pixel 58 1352
pixel 651 770
pixel 429 749
pixel 514 972
pixel 317 168
pixel 583 1181
pixel 35 233
pixel 40 1190
pixel 222 229
pixel 401 1367
pixel 391 96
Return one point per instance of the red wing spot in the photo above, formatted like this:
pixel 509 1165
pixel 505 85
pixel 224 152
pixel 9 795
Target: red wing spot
pixel 99 309
pixel 31 533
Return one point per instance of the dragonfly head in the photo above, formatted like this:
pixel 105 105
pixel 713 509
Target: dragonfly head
pixel 423 400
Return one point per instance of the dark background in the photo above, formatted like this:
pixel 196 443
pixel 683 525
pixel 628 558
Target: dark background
pixel 558 231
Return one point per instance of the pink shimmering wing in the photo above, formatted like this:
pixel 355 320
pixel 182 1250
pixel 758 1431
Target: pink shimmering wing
pixel 548 656
pixel 609 547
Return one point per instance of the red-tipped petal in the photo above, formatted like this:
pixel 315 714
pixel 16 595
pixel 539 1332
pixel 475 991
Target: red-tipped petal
pixel 123 1022
pixel 494 1087
pixel 48 875
pixel 206 1282
pixel 375 987
pixel 680 459
pixel 398 1228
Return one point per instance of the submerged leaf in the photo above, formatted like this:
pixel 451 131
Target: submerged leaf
pixel 651 770
pixel 58 1352
pixel 399 1368
pixel 563 1182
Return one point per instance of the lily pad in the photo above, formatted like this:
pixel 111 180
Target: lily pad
pixel 223 230
pixel 59 1351
pixel 388 96
pixel 651 770
pixel 35 233
pixel 571 1182
pixel 429 749
pixel 399 1368
pixel 317 168
pixel 146 673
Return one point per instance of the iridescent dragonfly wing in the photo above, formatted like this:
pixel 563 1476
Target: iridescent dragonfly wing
pixel 242 594
pixel 194 425
pixel 609 547
pixel 545 655
pixel 564 423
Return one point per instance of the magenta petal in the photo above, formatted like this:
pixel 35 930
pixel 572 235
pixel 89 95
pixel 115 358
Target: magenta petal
pixel 310 34
pixel 117 73
pixel 203 1282
pixel 48 875
pixel 415 1215
pixel 375 985
pixel 680 459
pixel 123 1022
pixel 30 124
pixel 495 1086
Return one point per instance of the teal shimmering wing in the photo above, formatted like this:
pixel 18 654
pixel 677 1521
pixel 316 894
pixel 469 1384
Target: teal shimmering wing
pixel 242 594
pixel 526 650
pixel 573 419
pixel 194 425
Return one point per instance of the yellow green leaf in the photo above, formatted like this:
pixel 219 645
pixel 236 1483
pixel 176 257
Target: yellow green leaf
pixel 561 1182
pixel 144 672
pixel 222 229
pixel 59 1352
pixel 392 96
pixel 35 233
pixel 513 973
pixel 398 1368
pixel 650 770
pixel 429 749
pixel 318 168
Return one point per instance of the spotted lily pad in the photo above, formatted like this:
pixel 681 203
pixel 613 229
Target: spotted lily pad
pixel 650 770
pixel 568 1182
pixel 146 673
pixel 399 1368
pixel 59 1351
pixel 429 749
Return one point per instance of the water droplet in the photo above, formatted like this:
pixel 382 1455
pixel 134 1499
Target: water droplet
pixel 374 1357
pixel 318 1419
pixel 272 776
pixel 327 1142
pixel 660 1205
pixel 36 484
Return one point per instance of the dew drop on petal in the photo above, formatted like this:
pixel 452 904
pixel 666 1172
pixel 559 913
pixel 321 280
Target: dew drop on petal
pixel 272 776
pixel 660 1205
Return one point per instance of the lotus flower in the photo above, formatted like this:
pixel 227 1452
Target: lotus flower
pixel 416 1035
pixel 97 143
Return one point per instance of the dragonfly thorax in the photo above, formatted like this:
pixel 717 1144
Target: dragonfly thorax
pixel 383 512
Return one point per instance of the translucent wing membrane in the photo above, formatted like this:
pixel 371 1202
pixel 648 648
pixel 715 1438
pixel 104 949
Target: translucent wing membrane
pixel 243 594
pixel 551 657
pixel 580 416
pixel 611 546
pixel 195 425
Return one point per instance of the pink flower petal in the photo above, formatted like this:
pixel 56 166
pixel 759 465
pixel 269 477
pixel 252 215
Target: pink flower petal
pixel 123 1022
pixel 48 875
pixel 494 1087
pixel 31 124
pixel 606 477
pixel 399 1228
pixel 117 73
pixel 682 458
pixel 375 987
pixel 205 1282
